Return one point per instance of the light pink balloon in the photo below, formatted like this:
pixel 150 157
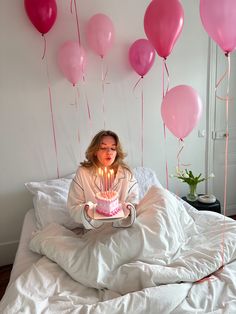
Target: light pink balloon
pixel 141 56
pixel 163 23
pixel 181 110
pixel 219 20
pixel 72 61
pixel 100 34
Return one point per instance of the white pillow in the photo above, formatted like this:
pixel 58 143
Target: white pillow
pixel 146 178
pixel 50 199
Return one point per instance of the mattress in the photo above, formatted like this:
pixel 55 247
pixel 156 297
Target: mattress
pixel 24 257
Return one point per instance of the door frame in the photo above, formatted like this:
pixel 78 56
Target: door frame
pixel 210 112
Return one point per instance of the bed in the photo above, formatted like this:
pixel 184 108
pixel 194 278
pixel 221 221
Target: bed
pixel 174 259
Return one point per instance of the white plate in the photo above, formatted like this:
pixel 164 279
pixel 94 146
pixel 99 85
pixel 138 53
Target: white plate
pixel 207 199
pixel 123 213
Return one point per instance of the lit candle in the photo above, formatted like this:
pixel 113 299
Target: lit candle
pixel 109 181
pixel 105 179
pixel 112 178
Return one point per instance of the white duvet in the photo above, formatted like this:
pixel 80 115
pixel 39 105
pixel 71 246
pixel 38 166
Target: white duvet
pixel 153 267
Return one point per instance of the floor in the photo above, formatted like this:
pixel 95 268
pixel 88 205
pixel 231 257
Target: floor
pixel 5 272
pixel 4 278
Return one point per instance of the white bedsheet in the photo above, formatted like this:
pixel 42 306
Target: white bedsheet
pixel 149 268
pixel 24 257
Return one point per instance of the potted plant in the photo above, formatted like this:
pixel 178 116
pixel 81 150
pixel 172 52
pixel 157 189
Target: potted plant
pixel 188 177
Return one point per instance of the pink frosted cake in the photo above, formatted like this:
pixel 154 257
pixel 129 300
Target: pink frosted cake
pixel 107 203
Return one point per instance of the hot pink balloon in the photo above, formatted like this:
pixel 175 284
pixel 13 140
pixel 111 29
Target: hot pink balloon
pixel 219 18
pixel 163 23
pixel 100 34
pixel 42 14
pixel 72 61
pixel 141 56
pixel 181 110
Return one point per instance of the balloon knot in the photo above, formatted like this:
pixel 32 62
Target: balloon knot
pixel 181 139
pixel 227 54
pixel 142 76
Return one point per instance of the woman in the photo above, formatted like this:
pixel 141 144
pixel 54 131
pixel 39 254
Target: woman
pixel 104 151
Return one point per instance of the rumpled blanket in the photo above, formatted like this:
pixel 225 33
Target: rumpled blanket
pixel 153 267
pixel 165 245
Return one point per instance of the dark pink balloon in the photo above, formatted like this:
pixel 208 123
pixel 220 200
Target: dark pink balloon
pixel 219 20
pixel 163 23
pixel 181 110
pixel 141 56
pixel 42 14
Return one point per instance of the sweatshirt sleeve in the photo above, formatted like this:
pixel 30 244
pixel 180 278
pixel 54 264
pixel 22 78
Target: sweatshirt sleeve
pixel 76 203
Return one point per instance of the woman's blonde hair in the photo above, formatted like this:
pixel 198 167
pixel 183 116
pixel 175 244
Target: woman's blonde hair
pixel 91 158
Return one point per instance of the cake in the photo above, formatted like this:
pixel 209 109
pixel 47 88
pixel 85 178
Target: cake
pixel 107 203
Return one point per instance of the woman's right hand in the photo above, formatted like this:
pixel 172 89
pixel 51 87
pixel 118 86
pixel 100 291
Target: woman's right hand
pixel 87 211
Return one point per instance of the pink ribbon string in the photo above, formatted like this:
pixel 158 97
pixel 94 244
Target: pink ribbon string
pixel 77 96
pixel 165 69
pixel 136 84
pixel 142 124
pixel 71 7
pixel 77 21
pixel 104 76
pixel 77 109
pixel 181 141
pixel 52 118
pixel 142 116
pixel 166 162
pixel 45 46
pixel 76 17
pixel 226 152
pixel 221 80
pixel 88 106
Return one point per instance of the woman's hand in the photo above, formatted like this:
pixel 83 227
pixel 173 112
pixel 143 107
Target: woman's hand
pixel 87 211
pixel 128 206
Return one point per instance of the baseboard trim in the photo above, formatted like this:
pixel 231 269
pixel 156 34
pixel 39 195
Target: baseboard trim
pixel 8 252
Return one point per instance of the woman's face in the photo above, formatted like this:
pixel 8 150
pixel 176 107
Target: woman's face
pixel 106 153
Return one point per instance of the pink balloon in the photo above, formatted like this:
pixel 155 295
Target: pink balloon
pixel 42 14
pixel 219 18
pixel 72 61
pixel 100 34
pixel 181 110
pixel 141 56
pixel 163 23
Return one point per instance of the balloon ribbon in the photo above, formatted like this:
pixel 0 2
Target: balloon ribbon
pixel 226 152
pixel 52 117
pixel 165 69
pixel 104 75
pixel 142 116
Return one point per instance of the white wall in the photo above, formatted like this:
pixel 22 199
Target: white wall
pixel 26 141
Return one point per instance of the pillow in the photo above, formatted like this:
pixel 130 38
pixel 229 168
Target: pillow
pixel 50 200
pixel 146 178
pixel 50 197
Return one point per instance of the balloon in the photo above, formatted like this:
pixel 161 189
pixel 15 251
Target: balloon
pixel 163 23
pixel 72 61
pixel 181 110
pixel 218 18
pixel 42 14
pixel 141 56
pixel 100 34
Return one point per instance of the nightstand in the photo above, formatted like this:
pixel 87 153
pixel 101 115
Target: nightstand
pixel 214 207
